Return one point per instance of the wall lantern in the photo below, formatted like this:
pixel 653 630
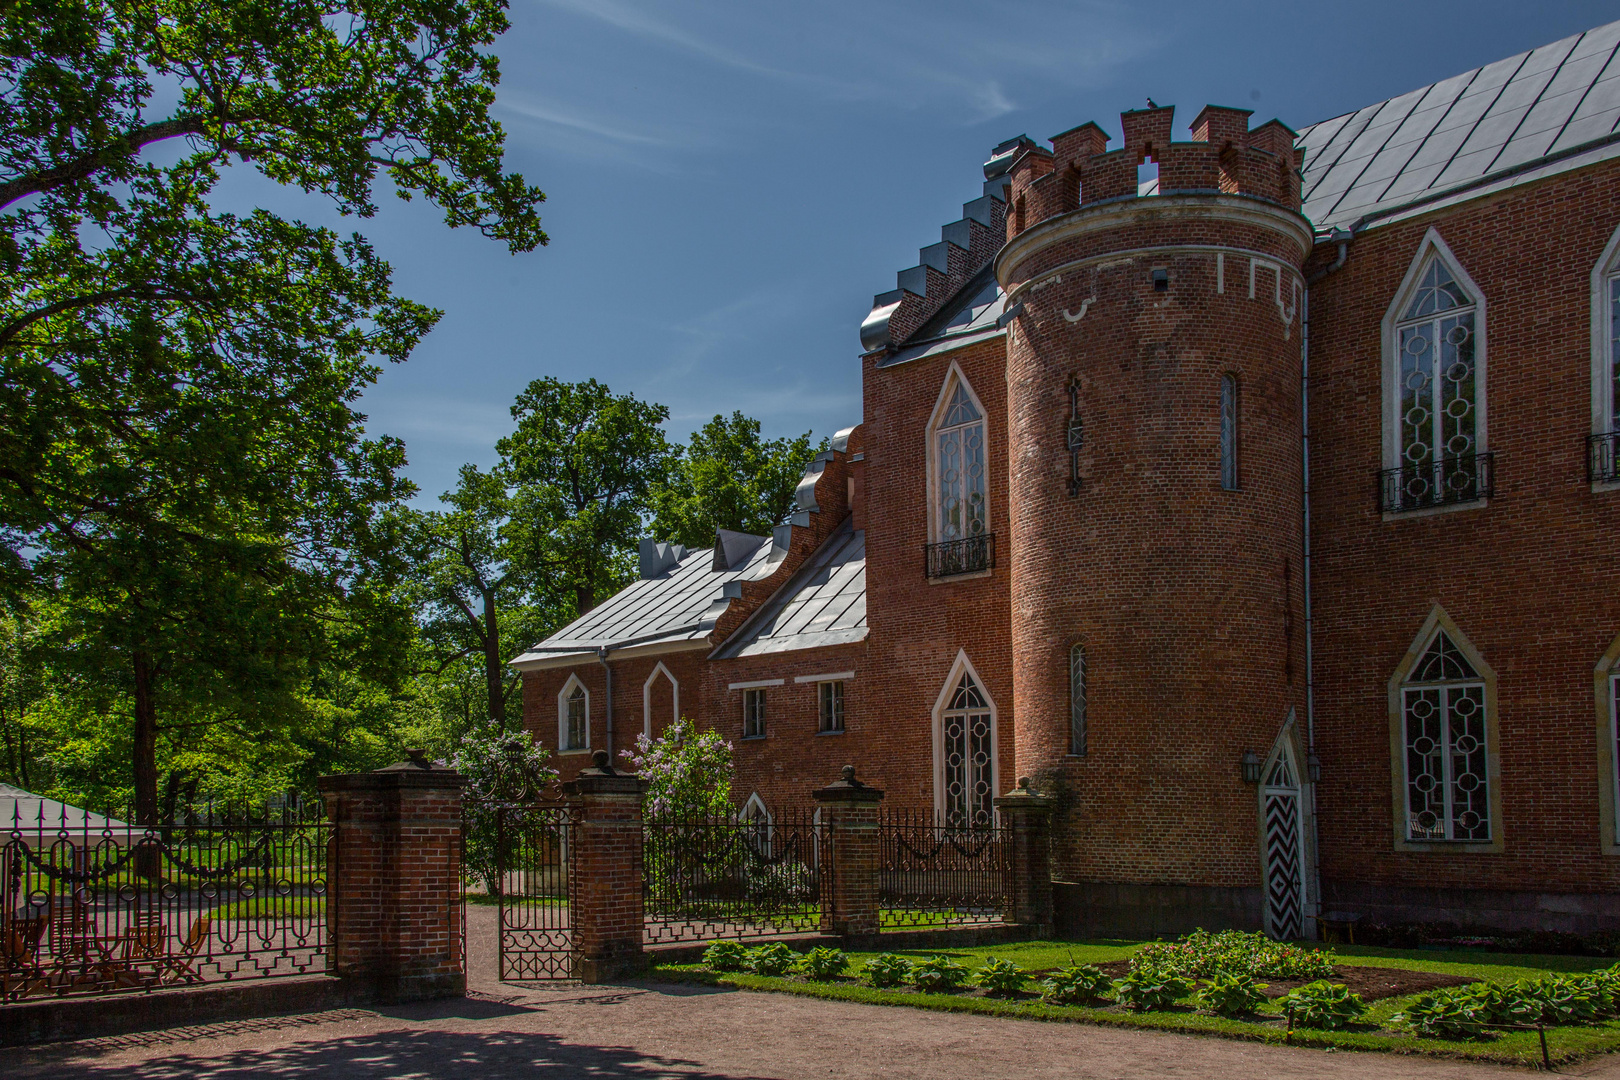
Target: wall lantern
pixel 1250 765
pixel 1313 766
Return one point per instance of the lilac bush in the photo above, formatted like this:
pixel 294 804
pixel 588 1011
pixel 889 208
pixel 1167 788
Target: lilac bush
pixel 688 772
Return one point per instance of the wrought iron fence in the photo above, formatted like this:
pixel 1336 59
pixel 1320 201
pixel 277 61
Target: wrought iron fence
pixel 1601 454
pixel 718 876
pixel 1443 482
pixel 94 905
pixel 965 556
pixel 941 875
pixel 535 848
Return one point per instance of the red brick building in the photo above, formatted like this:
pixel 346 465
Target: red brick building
pixel 1255 494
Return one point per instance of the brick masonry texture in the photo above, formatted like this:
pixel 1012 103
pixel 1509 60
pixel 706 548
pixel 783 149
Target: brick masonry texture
pixel 1189 599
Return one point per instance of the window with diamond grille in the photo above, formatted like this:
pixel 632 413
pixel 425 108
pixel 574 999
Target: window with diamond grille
pixel 831 707
pixel 969 755
pixel 1614 353
pixel 753 714
pixel 960 469
pixel 1447 771
pixel 1437 390
pixel 576 726
pixel 1614 733
pixel 1229 432
pixel 1077 699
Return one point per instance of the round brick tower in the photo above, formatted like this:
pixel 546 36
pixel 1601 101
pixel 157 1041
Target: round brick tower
pixel 1156 513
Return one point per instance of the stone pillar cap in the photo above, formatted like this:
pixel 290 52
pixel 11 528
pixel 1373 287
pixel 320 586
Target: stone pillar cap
pixel 1022 796
pixel 847 789
pixel 601 778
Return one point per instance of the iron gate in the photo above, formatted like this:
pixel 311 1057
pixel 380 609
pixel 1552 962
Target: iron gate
pixel 535 847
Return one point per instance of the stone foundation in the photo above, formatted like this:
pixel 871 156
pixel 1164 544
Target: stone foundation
pixel 1089 909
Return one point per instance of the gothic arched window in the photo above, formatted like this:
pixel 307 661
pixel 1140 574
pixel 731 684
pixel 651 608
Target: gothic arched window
pixel 1229 432
pixel 959 468
pixel 1447 771
pixel 965 750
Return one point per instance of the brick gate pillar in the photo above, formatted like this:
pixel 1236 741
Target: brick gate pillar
pixel 605 902
pixel 1027 817
pixel 393 902
pixel 849 820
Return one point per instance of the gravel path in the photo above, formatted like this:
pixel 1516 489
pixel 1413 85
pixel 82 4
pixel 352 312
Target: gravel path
pixel 640 1032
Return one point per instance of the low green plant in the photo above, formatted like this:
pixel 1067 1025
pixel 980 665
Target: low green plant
pixel 1557 1000
pixel 1077 984
pixel 725 956
pixel 886 970
pixel 1230 995
pixel 1323 1004
pixel 937 974
pixel 1204 955
pixel 1452 1013
pixel 1002 978
pixel 1146 989
pixel 772 959
pixel 824 963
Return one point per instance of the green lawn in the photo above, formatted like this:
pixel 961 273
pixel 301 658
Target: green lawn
pixel 1522 1048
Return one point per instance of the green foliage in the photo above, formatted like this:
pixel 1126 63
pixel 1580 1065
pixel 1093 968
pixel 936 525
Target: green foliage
pixel 728 478
pixel 688 773
pixel 1452 1013
pixel 1473 1011
pixel 1230 995
pixel 1201 954
pixel 937 974
pixel 581 464
pixel 1001 978
pixel 824 963
pixel 500 767
pixel 1145 989
pixel 1077 984
pixel 1323 1004
pixel 772 959
pixel 886 970
pixel 725 956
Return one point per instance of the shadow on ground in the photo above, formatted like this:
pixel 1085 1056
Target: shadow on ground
pixel 429 1055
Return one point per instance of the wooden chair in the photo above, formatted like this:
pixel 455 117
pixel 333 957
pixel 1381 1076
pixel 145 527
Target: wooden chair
pixel 178 967
pixel 20 942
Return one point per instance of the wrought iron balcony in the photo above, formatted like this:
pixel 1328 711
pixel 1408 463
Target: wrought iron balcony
pixel 1446 482
pixel 1602 452
pixel 967 556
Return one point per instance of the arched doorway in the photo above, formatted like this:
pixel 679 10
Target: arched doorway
pixel 1282 840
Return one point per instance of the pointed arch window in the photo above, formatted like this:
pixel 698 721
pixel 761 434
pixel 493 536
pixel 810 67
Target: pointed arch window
pixel 1444 731
pixel 1436 389
pixel 1229 432
pixel 960 541
pixel 573 717
pixel 968 734
pixel 1603 445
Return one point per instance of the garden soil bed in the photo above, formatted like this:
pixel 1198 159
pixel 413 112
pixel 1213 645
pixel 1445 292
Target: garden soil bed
pixel 1372 983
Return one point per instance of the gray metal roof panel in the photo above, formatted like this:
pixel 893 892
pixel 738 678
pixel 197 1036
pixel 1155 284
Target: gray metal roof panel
pixel 1506 115
pixel 823 604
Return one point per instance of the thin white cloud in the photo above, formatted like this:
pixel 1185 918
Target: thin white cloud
pixel 561 117
pixel 625 17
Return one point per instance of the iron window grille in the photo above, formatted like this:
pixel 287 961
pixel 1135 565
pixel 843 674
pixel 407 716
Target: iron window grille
pixel 1446 482
pixel 969 757
pixel 1447 770
pixel 831 711
pixel 753 714
pixel 1600 457
pixel 966 556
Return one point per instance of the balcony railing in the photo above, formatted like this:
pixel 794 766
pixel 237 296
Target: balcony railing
pixel 967 556
pixel 1601 454
pixel 1446 482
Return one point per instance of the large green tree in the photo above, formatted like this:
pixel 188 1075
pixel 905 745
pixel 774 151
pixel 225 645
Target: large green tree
pixel 581 465
pixel 182 472
pixel 729 477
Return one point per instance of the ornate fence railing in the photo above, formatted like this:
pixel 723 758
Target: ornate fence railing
pixel 712 877
pixel 932 875
pixel 1603 457
pixel 1444 482
pixel 94 905
pixel 967 556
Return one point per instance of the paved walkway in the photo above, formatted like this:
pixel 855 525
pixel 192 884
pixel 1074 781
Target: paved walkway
pixel 641 1032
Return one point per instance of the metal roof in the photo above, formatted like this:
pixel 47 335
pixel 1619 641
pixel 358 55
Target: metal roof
pixel 681 603
pixel 972 315
pixel 1554 107
pixel 24 812
pixel 824 603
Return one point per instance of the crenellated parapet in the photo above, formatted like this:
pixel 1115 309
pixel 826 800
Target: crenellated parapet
pixel 1223 157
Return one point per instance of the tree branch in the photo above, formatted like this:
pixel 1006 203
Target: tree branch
pixel 50 179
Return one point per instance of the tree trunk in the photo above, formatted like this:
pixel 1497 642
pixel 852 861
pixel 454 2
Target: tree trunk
pixel 145 754
pixel 584 598
pixel 494 669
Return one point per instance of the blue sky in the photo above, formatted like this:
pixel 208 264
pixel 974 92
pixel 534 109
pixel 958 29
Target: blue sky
pixel 729 183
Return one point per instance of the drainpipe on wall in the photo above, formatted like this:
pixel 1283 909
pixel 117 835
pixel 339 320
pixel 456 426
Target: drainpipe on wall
pixel 1342 238
pixel 607 675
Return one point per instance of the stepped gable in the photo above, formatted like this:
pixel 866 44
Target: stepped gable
pixel 705 595
pixel 943 269
pixel 1223 157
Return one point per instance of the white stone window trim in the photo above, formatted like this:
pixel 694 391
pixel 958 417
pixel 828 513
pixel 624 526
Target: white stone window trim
pixel 1436 622
pixel 1605 410
pixel 1434 245
pixel 840 714
pixel 646 697
pixel 837 676
pixel 954 378
pixel 755 684
pixel 756 814
pixel 961 665
pixel 1606 692
pixel 563 697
